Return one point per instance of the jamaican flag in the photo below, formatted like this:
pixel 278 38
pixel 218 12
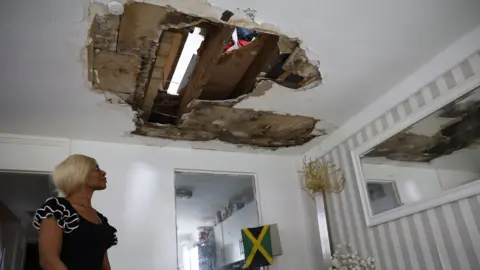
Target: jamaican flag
pixel 257 244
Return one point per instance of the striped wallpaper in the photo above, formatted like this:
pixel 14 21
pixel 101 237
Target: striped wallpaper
pixel 445 237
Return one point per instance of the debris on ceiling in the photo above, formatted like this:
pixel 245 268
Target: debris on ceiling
pixel 459 129
pixel 184 75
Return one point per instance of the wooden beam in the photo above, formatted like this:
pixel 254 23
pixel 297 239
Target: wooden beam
pixel 247 83
pixel 171 44
pixel 178 41
pixel 154 81
pixel 209 53
pixel 140 27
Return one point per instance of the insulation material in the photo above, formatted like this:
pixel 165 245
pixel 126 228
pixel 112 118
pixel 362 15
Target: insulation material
pixel 116 72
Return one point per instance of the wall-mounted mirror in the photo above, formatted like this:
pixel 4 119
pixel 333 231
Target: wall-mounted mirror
pixel 434 158
pixel 211 210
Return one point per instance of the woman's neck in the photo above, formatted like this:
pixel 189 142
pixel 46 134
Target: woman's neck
pixel 82 198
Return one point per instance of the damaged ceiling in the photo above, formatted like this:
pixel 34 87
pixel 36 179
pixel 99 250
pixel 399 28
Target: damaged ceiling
pixel 452 128
pixel 44 67
pixel 135 56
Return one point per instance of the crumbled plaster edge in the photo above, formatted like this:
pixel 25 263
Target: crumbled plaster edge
pixel 90 9
pixel 205 11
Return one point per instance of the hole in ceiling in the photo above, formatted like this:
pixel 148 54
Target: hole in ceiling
pixel 186 62
pixel 183 75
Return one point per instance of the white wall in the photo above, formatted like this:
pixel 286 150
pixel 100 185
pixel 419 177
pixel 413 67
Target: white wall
pixel 140 199
pixel 445 237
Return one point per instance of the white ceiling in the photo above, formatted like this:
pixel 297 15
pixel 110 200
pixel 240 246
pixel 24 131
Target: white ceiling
pixel 211 192
pixel 364 47
pixel 22 193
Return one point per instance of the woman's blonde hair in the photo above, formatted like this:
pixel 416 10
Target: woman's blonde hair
pixel 71 173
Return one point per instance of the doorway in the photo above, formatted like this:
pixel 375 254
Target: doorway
pixel 21 193
pixel 211 210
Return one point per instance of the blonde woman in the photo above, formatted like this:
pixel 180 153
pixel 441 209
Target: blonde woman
pixel 72 234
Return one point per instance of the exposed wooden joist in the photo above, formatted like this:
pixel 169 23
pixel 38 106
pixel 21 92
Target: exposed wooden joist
pixel 139 34
pixel 155 78
pixel 140 27
pixel 178 41
pixel 247 83
pixel 170 47
pixel 209 53
pixel 150 96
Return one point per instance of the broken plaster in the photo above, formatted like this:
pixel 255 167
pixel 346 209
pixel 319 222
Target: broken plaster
pixel 198 118
pixel 248 13
pixel 261 88
pixel 207 11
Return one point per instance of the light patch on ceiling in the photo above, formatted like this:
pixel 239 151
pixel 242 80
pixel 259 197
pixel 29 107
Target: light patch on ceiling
pixel 183 73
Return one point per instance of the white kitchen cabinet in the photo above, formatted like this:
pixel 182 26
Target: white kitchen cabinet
pixel 246 217
pixel 219 253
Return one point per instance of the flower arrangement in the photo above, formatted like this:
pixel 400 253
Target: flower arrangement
pixel 345 259
pixel 320 176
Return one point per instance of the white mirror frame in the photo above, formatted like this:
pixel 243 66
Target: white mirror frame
pixel 455 194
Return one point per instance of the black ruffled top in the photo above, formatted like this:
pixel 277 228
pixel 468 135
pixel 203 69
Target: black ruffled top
pixel 84 243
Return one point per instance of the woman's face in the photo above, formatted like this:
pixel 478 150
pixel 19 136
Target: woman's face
pixel 97 179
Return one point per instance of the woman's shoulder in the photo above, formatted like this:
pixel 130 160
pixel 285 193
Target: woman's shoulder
pixel 56 203
pixel 61 210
